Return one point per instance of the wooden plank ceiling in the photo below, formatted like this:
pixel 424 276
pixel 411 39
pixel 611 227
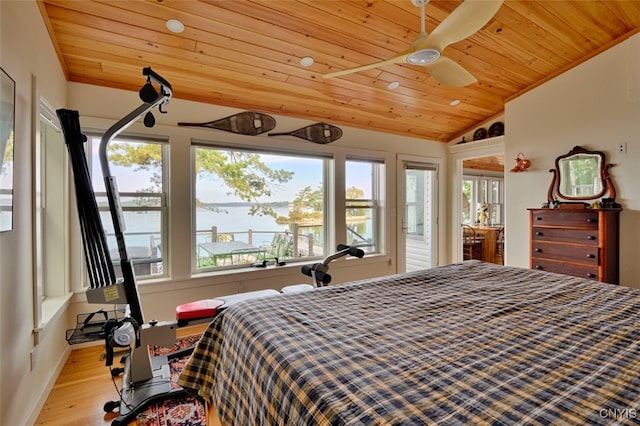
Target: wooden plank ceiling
pixel 246 54
pixel 493 163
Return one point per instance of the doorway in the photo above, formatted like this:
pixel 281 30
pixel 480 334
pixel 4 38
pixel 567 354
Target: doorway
pixel 479 158
pixel 483 191
pixel 417 248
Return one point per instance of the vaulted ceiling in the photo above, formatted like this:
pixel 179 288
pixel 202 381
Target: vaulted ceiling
pixel 246 54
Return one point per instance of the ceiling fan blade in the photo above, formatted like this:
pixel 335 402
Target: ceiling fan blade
pixel 464 21
pixel 401 58
pixel 450 73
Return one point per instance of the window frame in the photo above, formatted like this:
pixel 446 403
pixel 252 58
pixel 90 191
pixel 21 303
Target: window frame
pixel 482 191
pixel 94 137
pixel 328 167
pixel 374 203
pixel 50 174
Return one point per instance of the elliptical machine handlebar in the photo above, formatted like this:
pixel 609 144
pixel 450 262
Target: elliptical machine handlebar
pixel 315 271
pixel 352 250
pixel 318 271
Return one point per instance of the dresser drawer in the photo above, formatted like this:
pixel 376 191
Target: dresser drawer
pixel 586 255
pixel 575 241
pixel 571 218
pixel 565 268
pixel 578 236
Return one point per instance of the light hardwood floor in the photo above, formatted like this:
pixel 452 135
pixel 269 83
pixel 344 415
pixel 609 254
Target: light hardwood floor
pixel 83 387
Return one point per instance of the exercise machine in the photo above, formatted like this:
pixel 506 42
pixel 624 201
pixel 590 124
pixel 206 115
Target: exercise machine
pixel 144 378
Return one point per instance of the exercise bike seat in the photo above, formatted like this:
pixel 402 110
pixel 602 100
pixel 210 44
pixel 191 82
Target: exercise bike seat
pixel 207 309
pixel 296 288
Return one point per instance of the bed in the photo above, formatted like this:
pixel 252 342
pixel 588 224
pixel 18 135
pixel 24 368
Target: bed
pixel 470 342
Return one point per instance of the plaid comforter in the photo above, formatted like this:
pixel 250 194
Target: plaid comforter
pixel 466 343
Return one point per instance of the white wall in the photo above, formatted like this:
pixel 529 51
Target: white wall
pixel 595 105
pixel 25 50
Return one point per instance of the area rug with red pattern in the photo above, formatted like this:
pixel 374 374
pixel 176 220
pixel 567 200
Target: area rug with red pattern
pixel 182 410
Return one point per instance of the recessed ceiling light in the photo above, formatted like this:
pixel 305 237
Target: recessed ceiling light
pixel 307 61
pixel 175 26
pixel 455 102
pixel 393 85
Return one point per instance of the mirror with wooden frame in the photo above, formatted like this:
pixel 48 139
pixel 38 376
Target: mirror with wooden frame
pixel 581 175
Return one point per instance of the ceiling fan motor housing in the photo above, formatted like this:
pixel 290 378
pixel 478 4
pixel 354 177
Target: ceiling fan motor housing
pixel 418 3
pixel 423 56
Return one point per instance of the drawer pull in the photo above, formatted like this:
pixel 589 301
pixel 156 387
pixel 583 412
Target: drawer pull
pixel 538 217
pixel 591 220
pixel 591 237
pixel 591 256
pixel 538 233
pixel 591 275
pixel 539 267
pixel 537 250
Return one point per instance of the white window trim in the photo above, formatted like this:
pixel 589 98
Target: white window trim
pixel 50 297
pixel 329 215
pixel 164 206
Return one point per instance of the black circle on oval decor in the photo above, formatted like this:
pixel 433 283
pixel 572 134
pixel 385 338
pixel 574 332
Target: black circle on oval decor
pixel 481 133
pixel 496 129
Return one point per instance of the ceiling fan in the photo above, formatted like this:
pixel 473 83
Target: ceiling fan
pixel 426 50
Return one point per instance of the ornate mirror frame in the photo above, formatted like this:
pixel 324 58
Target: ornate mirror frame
pixel 599 174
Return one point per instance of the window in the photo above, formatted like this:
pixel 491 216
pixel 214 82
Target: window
pixel 252 207
pixel 362 203
pixel 51 244
pixel 482 194
pixel 415 202
pixel 417 190
pixel 139 168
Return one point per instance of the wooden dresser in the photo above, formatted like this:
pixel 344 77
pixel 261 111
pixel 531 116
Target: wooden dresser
pixel 579 242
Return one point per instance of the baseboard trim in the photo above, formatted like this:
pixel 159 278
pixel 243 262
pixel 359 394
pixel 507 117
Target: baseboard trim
pixel 46 390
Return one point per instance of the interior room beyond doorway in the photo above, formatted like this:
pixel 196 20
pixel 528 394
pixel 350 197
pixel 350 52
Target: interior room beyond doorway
pixel 483 208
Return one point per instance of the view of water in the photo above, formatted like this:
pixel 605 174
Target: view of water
pixel 236 220
pixel 141 226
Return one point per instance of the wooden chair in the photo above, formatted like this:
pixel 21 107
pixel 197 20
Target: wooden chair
pixel 281 247
pixel 226 237
pixel 472 245
pixel 500 246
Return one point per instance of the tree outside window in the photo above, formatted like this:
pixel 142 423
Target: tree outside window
pixel 139 169
pixel 253 207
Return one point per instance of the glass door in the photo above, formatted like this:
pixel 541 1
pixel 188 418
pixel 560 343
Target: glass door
pixel 417 239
